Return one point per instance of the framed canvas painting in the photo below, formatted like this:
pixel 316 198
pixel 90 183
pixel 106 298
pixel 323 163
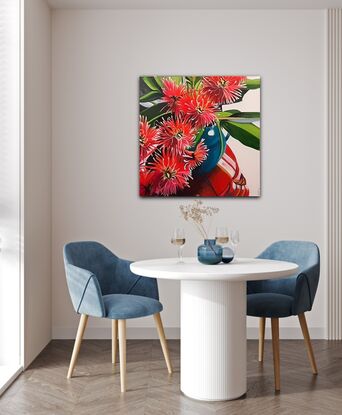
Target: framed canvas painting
pixel 199 136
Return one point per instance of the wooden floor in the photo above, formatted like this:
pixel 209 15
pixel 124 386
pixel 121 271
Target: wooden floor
pixel 43 389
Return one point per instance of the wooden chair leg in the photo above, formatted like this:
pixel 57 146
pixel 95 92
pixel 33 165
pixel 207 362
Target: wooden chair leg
pixel 80 331
pixel 114 340
pixel 122 351
pixel 307 340
pixel 163 341
pixel 262 323
pixel 276 352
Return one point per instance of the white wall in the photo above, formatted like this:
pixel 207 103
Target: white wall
pixel 97 58
pixel 37 178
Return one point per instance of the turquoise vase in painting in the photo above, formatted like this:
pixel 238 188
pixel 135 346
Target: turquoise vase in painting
pixel 209 253
pixel 215 141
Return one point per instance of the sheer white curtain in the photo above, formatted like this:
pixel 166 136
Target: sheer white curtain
pixel 9 190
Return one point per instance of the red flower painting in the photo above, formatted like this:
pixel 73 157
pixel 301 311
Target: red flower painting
pixel 191 131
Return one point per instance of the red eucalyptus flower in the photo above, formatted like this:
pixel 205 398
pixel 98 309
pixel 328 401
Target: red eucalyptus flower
pixel 223 89
pixel 172 94
pixel 170 173
pixel 176 135
pixel 146 180
pixel 196 157
pixel 198 109
pixel 148 137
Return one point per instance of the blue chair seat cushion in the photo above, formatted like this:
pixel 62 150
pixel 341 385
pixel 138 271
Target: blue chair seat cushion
pixel 124 306
pixel 269 305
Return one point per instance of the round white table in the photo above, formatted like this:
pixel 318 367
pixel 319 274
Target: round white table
pixel 213 320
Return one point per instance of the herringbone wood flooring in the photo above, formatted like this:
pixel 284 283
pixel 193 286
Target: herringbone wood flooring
pixel 95 388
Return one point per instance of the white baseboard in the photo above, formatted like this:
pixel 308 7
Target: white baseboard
pixel 105 333
pixel 287 333
pixel 174 333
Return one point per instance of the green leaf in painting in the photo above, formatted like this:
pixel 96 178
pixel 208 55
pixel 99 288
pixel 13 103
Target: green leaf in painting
pixel 159 81
pixel 222 139
pixel 198 137
pixel 239 117
pixel 189 81
pixel 177 79
pixel 193 81
pixel 156 112
pixel 197 81
pixel 247 115
pixel 224 115
pixel 151 83
pixel 253 83
pixel 143 88
pixel 151 96
pixel 247 134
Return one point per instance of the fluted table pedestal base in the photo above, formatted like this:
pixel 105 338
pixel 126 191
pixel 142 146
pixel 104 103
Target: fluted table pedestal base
pixel 213 339
pixel 213 319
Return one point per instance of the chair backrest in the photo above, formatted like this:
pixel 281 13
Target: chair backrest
pixel 113 273
pixel 93 257
pixel 304 254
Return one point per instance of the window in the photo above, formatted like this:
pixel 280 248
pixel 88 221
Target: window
pixel 10 255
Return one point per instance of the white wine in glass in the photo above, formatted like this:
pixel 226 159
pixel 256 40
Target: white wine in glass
pixel 178 239
pixel 222 235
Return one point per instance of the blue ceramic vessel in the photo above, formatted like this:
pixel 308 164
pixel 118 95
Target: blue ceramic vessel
pixel 209 253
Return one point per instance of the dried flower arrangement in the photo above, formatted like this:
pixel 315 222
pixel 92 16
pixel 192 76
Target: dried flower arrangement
pixel 197 212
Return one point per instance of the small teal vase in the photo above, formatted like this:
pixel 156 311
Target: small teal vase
pixel 209 253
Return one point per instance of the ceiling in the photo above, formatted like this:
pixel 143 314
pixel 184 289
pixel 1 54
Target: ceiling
pixel 194 4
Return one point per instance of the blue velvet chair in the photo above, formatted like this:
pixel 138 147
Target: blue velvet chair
pixel 292 296
pixel 102 285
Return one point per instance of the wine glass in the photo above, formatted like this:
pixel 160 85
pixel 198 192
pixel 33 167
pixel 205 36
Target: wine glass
pixel 178 239
pixel 222 235
pixel 234 240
